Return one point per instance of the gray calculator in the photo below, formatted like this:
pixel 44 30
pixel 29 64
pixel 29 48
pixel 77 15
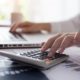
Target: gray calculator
pixel 34 57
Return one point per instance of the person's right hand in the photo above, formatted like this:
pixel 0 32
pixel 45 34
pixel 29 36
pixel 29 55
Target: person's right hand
pixel 59 42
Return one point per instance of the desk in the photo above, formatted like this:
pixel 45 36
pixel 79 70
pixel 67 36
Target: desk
pixel 69 70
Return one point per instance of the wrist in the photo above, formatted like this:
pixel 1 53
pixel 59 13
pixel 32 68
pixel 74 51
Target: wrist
pixel 77 38
pixel 44 26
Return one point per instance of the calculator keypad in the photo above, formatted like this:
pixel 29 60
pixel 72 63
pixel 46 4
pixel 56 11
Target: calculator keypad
pixel 37 54
pixel 34 53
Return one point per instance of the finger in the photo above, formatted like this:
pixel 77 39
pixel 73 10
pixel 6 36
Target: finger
pixel 49 43
pixel 67 41
pixel 42 43
pixel 14 27
pixel 19 25
pixel 25 24
pixel 77 38
pixel 55 46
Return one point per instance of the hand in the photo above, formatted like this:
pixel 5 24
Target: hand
pixel 25 26
pixel 30 27
pixel 58 42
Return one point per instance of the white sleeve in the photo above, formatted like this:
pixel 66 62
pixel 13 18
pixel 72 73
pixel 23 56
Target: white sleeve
pixel 55 27
pixel 72 25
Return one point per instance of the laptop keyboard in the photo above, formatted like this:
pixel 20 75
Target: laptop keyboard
pixel 13 37
pixel 17 37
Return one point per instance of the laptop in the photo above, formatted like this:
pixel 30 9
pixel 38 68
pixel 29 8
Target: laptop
pixel 16 40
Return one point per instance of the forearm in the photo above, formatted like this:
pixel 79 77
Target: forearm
pixel 40 26
pixel 44 26
pixel 77 38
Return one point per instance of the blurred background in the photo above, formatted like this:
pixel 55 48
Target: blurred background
pixel 38 11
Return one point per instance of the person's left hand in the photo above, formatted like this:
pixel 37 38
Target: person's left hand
pixel 23 26
pixel 29 27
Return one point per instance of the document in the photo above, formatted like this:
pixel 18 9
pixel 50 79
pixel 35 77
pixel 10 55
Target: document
pixel 68 70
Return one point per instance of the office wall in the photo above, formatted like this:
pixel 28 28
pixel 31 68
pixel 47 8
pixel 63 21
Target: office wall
pixel 60 28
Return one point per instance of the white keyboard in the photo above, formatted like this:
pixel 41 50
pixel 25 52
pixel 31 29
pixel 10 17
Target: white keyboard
pixel 12 37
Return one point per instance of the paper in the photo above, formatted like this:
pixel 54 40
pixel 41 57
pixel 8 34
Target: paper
pixel 69 70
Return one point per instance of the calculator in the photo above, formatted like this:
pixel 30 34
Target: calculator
pixel 34 57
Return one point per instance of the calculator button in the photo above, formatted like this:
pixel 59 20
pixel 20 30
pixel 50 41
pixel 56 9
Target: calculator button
pixel 37 54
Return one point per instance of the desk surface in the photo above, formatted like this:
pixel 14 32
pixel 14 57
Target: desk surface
pixel 69 70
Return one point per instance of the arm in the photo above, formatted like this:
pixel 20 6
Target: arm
pixel 77 38
pixel 31 27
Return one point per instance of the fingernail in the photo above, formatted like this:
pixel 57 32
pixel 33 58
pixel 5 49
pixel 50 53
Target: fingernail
pixel 60 50
pixel 48 61
pixel 42 50
pixel 42 43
